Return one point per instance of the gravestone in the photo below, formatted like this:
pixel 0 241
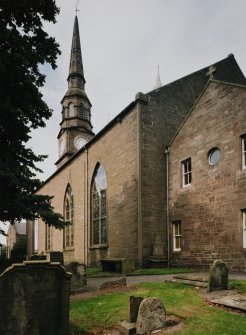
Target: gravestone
pixel 34 299
pixel 218 276
pixel 57 256
pixel 151 316
pixel 133 307
pixel 78 279
pixel 128 327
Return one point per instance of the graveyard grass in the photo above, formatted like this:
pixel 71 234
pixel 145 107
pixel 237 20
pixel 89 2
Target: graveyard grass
pixel 106 311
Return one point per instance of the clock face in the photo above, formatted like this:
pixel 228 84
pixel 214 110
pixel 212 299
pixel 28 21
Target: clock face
pixel 62 146
pixel 79 142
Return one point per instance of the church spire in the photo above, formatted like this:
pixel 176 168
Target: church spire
pixel 158 83
pixel 76 64
pixel 76 127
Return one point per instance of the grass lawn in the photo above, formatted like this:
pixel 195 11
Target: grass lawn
pixel 93 272
pixel 104 311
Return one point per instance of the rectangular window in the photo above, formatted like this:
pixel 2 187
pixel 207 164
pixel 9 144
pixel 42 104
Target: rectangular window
pixel 48 237
pixel 177 236
pixel 244 227
pixel 244 152
pixel 186 172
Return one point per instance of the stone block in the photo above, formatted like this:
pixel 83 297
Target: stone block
pixel 127 328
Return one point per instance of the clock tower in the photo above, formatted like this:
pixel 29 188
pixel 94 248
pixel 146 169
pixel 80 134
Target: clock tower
pixel 76 128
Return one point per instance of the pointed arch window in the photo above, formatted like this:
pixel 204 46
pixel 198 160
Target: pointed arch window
pixel 99 206
pixel 68 216
pixel 70 109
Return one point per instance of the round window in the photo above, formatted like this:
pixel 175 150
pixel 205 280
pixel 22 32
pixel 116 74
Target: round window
pixel 214 156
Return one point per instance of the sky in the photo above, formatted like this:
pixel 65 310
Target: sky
pixel 123 42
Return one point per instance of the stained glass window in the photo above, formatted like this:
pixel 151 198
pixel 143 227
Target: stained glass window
pixel 99 206
pixel 68 215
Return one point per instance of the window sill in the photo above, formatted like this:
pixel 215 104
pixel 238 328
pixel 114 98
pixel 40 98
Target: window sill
pixel 68 249
pixel 98 246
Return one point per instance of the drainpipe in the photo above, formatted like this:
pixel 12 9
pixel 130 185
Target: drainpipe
pixel 166 152
pixel 87 208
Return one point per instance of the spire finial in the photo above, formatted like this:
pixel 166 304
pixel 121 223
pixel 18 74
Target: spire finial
pixel 158 83
pixel 76 64
pixel 77 7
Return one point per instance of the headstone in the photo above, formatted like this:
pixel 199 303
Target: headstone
pixel 57 256
pixel 79 279
pixel 128 327
pixel 151 316
pixel 34 299
pixel 218 276
pixel 133 307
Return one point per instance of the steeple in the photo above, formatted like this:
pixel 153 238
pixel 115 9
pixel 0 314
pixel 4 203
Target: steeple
pixel 76 128
pixel 158 83
pixel 76 65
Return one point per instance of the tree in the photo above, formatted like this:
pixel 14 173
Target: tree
pixel 24 45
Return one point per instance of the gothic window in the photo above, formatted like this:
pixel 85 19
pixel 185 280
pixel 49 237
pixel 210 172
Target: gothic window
pixel 244 151
pixel 186 172
pixel 83 113
pixel 68 216
pixel 70 109
pixel 176 236
pixel 99 206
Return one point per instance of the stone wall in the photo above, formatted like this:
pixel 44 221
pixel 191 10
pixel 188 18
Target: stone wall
pixel 160 121
pixel 210 208
pixel 116 150
pixel 34 299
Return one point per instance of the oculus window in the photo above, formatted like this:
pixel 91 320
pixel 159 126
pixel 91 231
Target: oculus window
pixel 69 216
pixel 99 206
pixel 186 172
pixel 214 156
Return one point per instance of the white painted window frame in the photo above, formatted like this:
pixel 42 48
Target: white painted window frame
pixel 187 173
pixel 243 144
pixel 244 227
pixel 176 236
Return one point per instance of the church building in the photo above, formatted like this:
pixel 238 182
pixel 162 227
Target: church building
pixel 165 179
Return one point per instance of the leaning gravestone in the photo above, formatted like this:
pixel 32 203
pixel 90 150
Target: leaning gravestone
pixel 218 276
pixel 34 299
pixel 151 316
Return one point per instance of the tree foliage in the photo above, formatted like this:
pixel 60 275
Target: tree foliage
pixel 24 46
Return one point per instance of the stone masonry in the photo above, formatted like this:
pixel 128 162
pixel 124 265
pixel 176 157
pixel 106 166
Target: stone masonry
pixel 210 209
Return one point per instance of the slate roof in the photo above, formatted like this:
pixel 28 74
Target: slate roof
pixel 183 93
pixel 180 94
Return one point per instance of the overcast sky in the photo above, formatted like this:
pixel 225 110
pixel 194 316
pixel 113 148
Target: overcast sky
pixel 123 41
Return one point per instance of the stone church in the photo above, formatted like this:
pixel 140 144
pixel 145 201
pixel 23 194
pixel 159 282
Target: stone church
pixel 164 180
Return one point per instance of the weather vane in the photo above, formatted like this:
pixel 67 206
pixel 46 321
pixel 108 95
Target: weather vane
pixel 77 5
